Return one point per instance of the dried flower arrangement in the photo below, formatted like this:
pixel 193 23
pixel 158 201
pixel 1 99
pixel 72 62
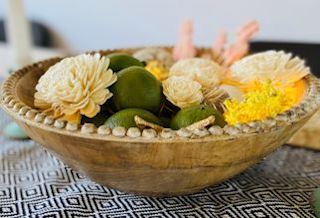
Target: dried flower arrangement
pixel 156 89
pixel 140 113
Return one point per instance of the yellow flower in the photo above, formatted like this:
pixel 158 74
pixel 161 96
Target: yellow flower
pixel 158 70
pixel 75 86
pixel 182 91
pixel 264 101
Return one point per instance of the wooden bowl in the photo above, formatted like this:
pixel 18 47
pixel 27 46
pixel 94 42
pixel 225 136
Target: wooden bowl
pixel 168 163
pixel 309 135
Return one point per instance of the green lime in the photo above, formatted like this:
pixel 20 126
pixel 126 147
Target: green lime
pixel 125 118
pixel 190 115
pixel 137 88
pixel 119 61
pixel 165 121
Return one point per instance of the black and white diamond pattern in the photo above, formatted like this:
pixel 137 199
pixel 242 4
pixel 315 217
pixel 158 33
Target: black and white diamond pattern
pixel 35 184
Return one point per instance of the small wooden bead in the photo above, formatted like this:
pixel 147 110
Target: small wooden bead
pixel 7 99
pixel 39 118
pixel 294 116
pixel 270 122
pixel 59 124
pixel 231 130
pixel 72 127
pixel 301 112
pixel 48 120
pixel 184 133
pixel 313 106
pixel 88 128
pixel 282 117
pixel 263 127
pixel 23 111
pixel 273 128
pixel 12 103
pixel 304 105
pixel 216 130
pixel 167 133
pixel 134 132
pixel 17 107
pixel 238 125
pixel 119 131
pixel 31 114
pixel 104 130
pixel 253 124
pixel 6 86
pixel 149 133
pixel 201 132
pixel 10 84
pixel 248 129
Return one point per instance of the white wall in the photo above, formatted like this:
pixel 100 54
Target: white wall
pixel 99 24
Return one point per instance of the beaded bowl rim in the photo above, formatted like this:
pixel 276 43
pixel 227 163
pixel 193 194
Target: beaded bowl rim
pixel 34 117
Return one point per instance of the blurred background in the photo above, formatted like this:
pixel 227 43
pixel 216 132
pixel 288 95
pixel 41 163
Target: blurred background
pixel 84 25
pixel 70 27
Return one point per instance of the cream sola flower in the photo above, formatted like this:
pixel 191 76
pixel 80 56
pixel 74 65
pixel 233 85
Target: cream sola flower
pixel 277 66
pixel 75 86
pixel 206 72
pixel 182 91
pixel 203 72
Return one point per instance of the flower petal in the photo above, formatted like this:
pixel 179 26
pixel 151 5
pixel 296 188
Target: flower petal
pixel 76 85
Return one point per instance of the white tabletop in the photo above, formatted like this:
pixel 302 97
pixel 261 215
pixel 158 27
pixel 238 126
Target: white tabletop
pixel 37 55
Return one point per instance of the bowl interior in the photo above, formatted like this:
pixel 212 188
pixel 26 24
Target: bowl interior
pixel 25 87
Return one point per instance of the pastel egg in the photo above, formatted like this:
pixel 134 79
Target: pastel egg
pixel 14 131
